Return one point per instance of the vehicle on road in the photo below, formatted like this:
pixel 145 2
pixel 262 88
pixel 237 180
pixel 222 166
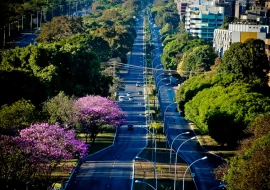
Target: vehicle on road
pixel 130 127
pixel 121 98
pixel 138 84
pixel 128 93
pixel 130 98
pixel 140 92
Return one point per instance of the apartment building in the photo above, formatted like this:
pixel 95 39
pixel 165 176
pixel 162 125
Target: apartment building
pixel 238 33
pixel 182 5
pixel 202 20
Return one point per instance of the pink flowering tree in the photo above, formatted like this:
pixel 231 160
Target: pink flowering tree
pixel 94 112
pixel 37 152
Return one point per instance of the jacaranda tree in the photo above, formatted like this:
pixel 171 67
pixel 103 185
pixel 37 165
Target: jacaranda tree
pixel 37 152
pixel 96 112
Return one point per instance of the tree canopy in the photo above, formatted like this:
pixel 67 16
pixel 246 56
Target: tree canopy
pixel 59 28
pixel 199 59
pixel 173 51
pixel 247 59
pixel 36 152
pixel 94 112
pixel 18 115
pixel 224 112
pixel 251 169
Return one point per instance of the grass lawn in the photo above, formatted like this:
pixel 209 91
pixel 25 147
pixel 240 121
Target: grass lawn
pixel 212 146
pixel 144 170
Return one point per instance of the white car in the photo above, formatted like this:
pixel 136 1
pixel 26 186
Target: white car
pixel 130 98
pixel 140 92
pixel 128 93
pixel 137 84
pixel 121 98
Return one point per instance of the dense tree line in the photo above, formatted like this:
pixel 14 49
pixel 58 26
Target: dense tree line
pixel 223 102
pixel 249 169
pixel 45 91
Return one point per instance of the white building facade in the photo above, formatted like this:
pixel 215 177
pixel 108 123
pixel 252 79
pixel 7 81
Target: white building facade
pixel 237 33
pixel 202 20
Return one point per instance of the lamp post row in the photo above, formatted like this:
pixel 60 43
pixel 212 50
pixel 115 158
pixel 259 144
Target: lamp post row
pixel 171 146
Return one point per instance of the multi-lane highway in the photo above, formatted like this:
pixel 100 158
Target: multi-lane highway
pixel 113 167
pixel 176 124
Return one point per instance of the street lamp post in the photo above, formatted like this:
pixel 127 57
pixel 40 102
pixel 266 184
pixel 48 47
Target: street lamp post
pixel 203 158
pixel 153 63
pixel 161 80
pixel 37 19
pixel 22 22
pixel 167 108
pixel 138 181
pixel 4 39
pixel 156 70
pixel 175 163
pixel 153 137
pixel 162 86
pixel 172 146
pixel 160 74
pixel 159 89
pixel 155 173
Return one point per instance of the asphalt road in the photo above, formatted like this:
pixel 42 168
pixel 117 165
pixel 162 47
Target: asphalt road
pixel 113 167
pixel 28 38
pixel 175 124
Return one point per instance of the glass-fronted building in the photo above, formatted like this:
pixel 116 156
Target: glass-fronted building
pixel 202 20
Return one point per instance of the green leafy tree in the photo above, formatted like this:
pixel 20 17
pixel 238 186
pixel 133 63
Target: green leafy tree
pixel 251 170
pixel 199 59
pixel 60 27
pixel 195 84
pixel 173 51
pixel 59 109
pixel 16 85
pixel 134 5
pixel 224 112
pixel 16 116
pixel 157 127
pixel 247 59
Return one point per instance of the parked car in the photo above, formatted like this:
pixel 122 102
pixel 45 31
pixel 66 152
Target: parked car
pixel 130 127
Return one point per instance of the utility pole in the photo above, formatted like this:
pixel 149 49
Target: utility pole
pixel 22 22
pixel 40 18
pixel 4 41
pixel 76 8
pixel 31 22
pixel 114 72
pixel 69 9
pixel 37 19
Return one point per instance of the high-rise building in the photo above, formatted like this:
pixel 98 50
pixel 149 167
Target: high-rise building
pixel 202 20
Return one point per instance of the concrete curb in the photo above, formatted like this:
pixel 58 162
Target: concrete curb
pixel 83 160
pixel 202 145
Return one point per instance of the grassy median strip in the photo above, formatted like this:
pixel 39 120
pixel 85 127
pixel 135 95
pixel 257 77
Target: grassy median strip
pixel 144 170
